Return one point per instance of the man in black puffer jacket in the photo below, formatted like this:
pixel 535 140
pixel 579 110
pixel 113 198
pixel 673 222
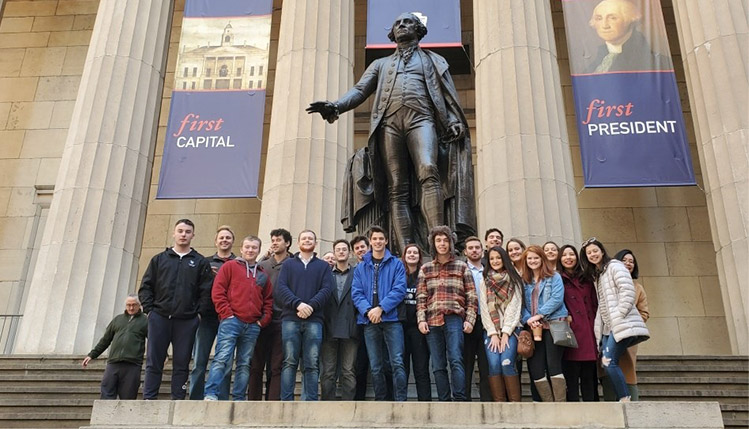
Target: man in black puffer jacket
pixel 175 290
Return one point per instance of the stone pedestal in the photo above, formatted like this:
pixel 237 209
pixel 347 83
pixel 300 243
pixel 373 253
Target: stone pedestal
pixel 524 179
pixel 434 415
pixel 89 253
pixel 307 156
pixel 714 39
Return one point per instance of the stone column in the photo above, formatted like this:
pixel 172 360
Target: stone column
pixel 524 177
pixel 88 259
pixel 306 156
pixel 713 36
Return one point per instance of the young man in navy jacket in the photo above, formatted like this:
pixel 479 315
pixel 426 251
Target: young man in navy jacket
pixel 305 284
pixel 378 289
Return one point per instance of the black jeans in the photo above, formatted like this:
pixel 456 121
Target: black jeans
pixel 161 332
pixel 546 359
pixel 473 348
pixel 581 377
pixel 417 351
pixel 122 380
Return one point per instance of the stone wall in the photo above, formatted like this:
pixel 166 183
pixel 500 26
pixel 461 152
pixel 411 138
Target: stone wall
pixel 43 46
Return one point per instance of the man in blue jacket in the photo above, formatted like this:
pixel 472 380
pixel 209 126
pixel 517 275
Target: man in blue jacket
pixel 378 289
pixel 305 284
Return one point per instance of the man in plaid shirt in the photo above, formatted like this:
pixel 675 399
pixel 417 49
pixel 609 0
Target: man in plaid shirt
pixel 446 304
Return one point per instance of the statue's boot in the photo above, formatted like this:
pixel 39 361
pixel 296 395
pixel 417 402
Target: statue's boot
pixel 432 202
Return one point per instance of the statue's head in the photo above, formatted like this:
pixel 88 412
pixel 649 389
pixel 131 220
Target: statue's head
pixel 407 26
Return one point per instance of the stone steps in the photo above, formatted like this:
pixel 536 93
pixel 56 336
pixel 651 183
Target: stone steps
pixel 54 391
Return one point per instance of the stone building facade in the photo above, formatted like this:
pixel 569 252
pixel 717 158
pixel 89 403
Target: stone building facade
pixel 81 144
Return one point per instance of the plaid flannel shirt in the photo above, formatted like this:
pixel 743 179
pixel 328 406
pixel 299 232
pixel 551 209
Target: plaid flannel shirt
pixel 444 289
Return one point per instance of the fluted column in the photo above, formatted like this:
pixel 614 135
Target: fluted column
pixel 713 36
pixel 525 183
pixel 307 156
pixel 88 258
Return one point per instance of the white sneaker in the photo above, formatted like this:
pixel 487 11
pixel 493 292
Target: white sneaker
pixel 210 398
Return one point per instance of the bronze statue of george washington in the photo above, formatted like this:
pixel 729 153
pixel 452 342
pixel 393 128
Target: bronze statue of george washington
pixel 417 165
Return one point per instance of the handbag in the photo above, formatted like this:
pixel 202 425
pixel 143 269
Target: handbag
pixel 526 346
pixel 562 334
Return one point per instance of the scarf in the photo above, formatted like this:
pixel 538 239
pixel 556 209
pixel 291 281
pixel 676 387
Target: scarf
pixel 499 292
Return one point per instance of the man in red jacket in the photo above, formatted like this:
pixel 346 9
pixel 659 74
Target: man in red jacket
pixel 242 294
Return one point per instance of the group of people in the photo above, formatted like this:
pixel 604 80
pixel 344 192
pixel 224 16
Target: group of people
pixel 384 315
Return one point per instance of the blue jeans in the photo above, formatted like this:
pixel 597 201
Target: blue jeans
pixel 611 351
pixel 502 363
pixel 390 335
pixel 300 338
pixel 446 345
pixel 232 334
pixel 201 351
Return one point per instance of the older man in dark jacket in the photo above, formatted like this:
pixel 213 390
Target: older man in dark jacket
pixel 126 333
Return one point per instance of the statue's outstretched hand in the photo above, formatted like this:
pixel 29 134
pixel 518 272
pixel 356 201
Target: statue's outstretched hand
pixel 326 109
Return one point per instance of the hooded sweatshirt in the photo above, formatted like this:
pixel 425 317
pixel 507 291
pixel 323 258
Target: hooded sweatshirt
pixel 244 291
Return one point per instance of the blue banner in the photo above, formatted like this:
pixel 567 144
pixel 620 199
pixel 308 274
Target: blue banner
pixel 224 8
pixel 442 18
pixel 628 113
pixel 215 131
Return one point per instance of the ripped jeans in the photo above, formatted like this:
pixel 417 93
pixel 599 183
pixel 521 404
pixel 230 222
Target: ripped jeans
pixel 502 363
pixel 611 351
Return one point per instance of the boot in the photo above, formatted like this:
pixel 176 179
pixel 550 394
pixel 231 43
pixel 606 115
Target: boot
pixel 544 390
pixel 559 388
pixel 512 383
pixel 497 386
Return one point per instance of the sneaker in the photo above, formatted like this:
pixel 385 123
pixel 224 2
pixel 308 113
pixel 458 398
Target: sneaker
pixel 210 398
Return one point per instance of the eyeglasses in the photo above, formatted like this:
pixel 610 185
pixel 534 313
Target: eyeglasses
pixel 588 241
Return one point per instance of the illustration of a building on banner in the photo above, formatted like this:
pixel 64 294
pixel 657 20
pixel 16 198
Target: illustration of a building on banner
pixel 223 54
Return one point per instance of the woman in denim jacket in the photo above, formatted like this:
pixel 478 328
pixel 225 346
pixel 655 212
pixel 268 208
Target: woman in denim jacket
pixel 544 301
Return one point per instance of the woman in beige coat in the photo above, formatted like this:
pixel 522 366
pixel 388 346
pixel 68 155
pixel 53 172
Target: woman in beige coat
pixel 618 323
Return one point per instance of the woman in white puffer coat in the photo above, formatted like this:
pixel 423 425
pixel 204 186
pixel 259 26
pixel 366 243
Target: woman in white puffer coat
pixel 618 324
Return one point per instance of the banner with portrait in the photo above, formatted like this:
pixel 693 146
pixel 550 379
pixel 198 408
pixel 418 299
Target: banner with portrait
pixel 627 106
pixel 215 130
